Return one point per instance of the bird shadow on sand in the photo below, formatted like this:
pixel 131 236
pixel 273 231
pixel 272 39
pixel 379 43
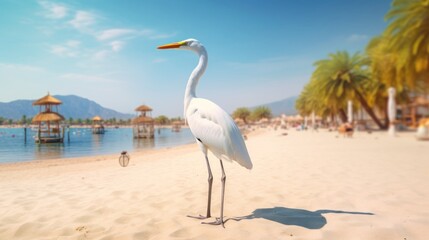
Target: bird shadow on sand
pixel 293 216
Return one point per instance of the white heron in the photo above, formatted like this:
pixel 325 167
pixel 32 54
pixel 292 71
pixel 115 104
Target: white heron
pixel 211 126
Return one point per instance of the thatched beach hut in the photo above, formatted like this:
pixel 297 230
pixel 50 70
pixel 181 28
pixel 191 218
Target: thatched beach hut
pixel 97 125
pixel 143 124
pixel 176 126
pixel 48 120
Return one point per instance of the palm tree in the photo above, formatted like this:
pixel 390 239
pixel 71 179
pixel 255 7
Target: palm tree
pixel 302 100
pixel 312 101
pixel 161 120
pixel 242 113
pixel 383 62
pixel 377 96
pixel 408 31
pixel 340 78
pixel 261 112
pixel 24 119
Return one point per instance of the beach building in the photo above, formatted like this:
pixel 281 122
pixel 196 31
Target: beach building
pixel 48 120
pixel 176 126
pixel 414 111
pixel 97 125
pixel 143 124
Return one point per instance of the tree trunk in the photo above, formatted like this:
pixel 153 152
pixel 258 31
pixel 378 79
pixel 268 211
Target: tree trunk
pixel 386 120
pixel 368 109
pixel 334 123
pixel 343 115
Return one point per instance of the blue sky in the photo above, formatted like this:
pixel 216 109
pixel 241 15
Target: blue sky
pixel 105 50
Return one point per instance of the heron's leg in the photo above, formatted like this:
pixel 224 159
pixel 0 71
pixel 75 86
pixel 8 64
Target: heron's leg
pixel 219 221
pixel 210 180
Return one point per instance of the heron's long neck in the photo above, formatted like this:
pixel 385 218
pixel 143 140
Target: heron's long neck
pixel 195 77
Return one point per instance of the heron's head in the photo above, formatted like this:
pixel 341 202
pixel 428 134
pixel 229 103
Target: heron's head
pixel 188 44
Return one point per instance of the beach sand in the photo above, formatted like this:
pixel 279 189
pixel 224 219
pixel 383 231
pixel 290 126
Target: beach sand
pixel 305 185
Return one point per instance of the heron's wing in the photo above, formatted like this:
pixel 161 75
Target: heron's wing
pixel 214 128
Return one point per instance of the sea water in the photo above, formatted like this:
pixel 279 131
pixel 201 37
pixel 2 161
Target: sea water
pixel 14 147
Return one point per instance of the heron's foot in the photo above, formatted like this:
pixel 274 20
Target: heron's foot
pixel 200 217
pixel 218 221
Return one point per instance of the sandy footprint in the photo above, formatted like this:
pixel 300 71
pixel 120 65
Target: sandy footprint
pixel 141 235
pixel 183 232
pixel 122 220
pixel 28 229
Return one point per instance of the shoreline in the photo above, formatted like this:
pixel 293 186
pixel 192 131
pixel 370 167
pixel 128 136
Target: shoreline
pixel 90 126
pixel 97 157
pixel 40 163
pixel 84 144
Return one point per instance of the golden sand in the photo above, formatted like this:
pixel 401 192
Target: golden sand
pixel 305 185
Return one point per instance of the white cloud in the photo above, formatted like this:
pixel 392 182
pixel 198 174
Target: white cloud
pixel 114 33
pixel 20 67
pixel 86 78
pixel 54 10
pixel 100 55
pixel 357 38
pixel 73 43
pixel 67 50
pixel 117 45
pixel 156 36
pixel 82 20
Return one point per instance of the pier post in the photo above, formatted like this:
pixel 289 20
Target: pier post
pixel 25 134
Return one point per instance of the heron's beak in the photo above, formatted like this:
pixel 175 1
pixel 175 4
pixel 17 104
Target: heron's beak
pixel 171 45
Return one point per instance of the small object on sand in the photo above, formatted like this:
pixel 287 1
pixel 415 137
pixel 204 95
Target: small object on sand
pixel 124 159
pixel 284 134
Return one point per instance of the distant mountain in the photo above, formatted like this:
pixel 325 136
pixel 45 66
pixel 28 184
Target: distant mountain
pixel 73 106
pixel 286 106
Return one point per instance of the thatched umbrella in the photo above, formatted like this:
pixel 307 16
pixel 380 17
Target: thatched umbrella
pixel 177 123
pixel 97 118
pixel 176 126
pixel 47 100
pixel 143 108
pixel 47 117
pixel 298 118
pixel 142 119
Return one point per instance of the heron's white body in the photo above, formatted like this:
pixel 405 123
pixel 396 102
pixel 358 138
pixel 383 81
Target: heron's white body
pixel 215 130
pixel 212 127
